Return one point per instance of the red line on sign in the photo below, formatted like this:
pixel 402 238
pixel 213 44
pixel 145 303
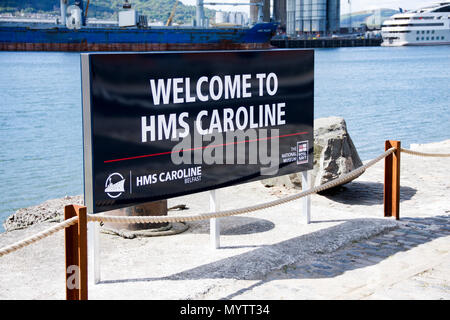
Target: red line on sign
pixel 210 146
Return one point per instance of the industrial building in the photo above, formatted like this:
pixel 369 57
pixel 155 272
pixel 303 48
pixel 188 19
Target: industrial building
pixel 265 11
pixel 232 18
pixel 297 17
pixel 279 12
pixel 306 17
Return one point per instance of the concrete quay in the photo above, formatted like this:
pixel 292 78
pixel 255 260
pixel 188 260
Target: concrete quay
pixel 349 251
pixel 325 43
pixel 411 262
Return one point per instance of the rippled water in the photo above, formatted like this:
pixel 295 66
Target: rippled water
pixel 383 93
pixel 40 128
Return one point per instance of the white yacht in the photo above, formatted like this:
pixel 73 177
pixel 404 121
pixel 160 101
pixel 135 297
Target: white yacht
pixel 426 26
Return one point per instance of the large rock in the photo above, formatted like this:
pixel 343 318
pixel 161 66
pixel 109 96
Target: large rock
pixel 50 210
pixel 334 155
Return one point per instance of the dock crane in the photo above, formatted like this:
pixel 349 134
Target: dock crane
pixel 172 14
pixel 200 14
pixel 350 29
pixel 86 10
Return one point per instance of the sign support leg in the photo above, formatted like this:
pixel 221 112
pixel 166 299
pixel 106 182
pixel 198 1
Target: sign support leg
pixel 94 250
pixel 214 223
pixel 306 200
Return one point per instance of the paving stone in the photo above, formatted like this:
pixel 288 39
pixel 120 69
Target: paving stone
pixel 374 259
pixel 382 241
pixel 379 253
pixel 320 266
pixel 343 259
pixel 398 233
pixel 343 266
pixel 324 273
pixel 440 220
pixel 406 242
pixel 391 247
pixel 417 241
pixel 387 242
pixel 372 243
pixel 441 234
pixel 355 253
pixel 362 265
pixel 363 262
pixel 421 233
pixel 364 246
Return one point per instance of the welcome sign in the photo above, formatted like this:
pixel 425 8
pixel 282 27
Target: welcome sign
pixel 161 125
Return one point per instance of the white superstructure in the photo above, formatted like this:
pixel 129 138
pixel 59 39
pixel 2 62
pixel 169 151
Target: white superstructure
pixel 425 26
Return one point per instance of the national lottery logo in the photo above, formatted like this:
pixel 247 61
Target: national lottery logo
pixel 115 185
pixel 302 152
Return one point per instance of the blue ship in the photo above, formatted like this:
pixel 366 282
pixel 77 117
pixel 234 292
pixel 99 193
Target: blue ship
pixel 131 34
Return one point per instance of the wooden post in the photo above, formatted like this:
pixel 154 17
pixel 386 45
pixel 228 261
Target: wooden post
pixel 76 254
pixel 392 181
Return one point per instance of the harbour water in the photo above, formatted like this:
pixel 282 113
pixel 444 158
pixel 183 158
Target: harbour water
pixel 383 93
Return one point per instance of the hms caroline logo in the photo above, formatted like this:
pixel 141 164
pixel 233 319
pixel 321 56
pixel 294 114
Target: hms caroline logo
pixel 115 185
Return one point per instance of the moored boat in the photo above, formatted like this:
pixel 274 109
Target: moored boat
pixel 425 26
pixel 132 33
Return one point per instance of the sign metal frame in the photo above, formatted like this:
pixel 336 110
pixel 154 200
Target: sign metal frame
pixel 88 121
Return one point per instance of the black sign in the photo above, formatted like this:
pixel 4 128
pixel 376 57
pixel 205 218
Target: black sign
pixel 161 125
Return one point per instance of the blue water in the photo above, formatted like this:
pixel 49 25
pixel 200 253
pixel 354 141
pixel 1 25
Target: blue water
pixel 40 128
pixel 383 93
pixel 398 93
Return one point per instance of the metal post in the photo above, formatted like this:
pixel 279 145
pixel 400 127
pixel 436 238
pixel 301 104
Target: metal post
pixel 94 251
pixel 260 12
pixel 76 254
pixel 200 13
pixel 214 223
pixel 63 9
pixel 392 180
pixel 307 199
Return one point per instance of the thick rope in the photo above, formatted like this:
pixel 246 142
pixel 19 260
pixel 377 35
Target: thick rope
pixel 152 219
pixel 38 236
pixel 423 154
pixel 220 214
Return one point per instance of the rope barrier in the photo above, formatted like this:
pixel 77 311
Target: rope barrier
pixel 220 214
pixel 423 154
pixel 39 236
pixel 76 244
pixel 158 219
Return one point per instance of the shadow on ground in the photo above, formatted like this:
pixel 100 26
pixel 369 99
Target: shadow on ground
pixel 319 255
pixel 364 193
pixel 235 226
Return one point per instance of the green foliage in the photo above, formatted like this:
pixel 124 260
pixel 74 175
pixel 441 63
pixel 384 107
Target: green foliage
pixel 28 5
pixel 107 9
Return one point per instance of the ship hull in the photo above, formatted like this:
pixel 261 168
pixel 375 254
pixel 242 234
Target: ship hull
pixel 148 39
pixel 82 47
